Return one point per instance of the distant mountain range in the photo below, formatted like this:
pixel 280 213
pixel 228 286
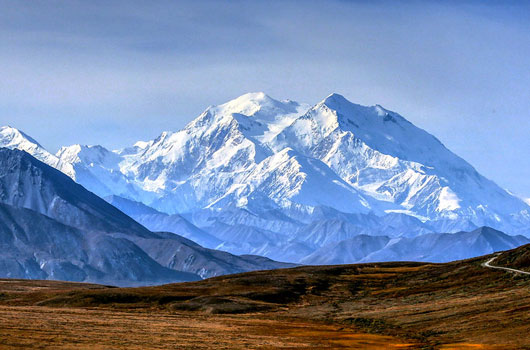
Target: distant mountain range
pixel 291 182
pixel 430 247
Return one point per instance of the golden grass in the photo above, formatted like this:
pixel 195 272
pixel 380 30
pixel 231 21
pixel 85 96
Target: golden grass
pixel 60 328
pixel 465 346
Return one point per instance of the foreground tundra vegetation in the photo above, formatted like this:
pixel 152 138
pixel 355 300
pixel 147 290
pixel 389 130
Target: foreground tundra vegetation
pixel 459 305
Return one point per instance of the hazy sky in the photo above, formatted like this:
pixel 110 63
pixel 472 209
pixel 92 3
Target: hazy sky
pixel 114 72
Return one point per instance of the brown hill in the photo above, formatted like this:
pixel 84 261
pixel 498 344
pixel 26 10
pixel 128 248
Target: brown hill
pixel 458 305
pixel 516 259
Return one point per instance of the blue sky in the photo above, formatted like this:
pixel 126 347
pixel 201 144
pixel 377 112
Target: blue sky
pixel 114 72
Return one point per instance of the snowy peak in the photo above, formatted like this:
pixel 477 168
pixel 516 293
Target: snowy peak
pixel 223 139
pixel 367 149
pixel 255 103
pixel 350 111
pixel 380 153
pixel 335 101
pixel 15 139
pixel 143 144
pixel 89 155
pixel 11 136
pixel 377 127
pixel 381 130
pixel 256 115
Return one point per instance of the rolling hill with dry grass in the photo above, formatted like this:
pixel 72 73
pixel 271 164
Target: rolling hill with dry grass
pixel 457 305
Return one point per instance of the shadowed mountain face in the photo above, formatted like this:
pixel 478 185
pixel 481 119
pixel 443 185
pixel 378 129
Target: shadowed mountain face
pixel 444 247
pixel 26 182
pixel 37 247
pixel 52 228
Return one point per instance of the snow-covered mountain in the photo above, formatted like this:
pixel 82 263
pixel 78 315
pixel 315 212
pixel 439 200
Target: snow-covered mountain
pixel 256 152
pixel 387 158
pixel 293 175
